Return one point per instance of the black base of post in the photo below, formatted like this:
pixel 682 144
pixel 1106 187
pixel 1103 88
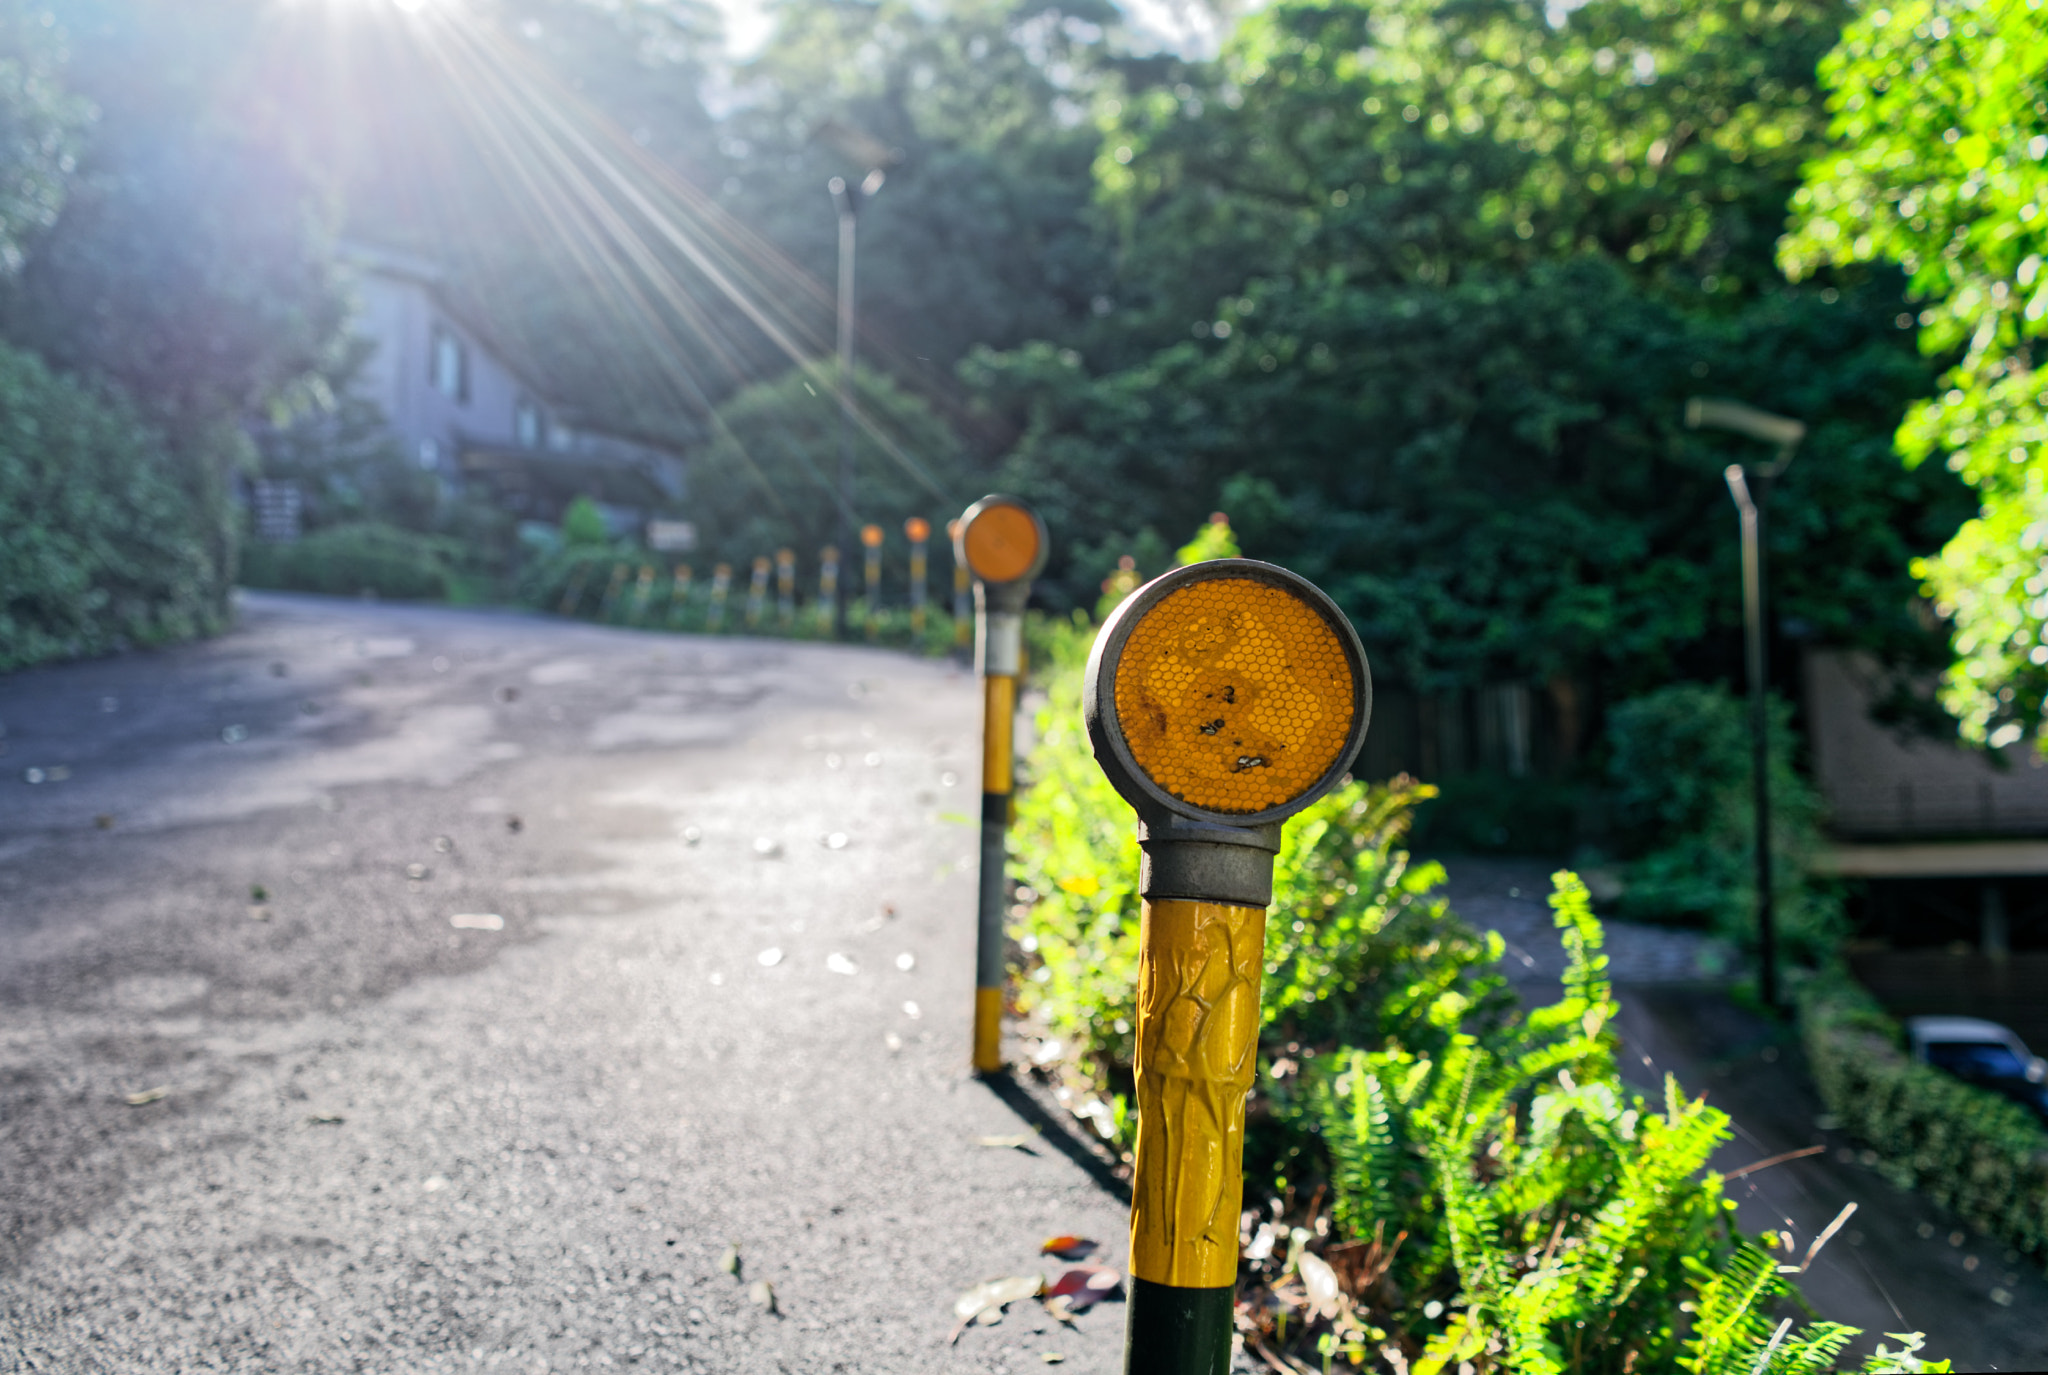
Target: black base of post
pixel 1175 1331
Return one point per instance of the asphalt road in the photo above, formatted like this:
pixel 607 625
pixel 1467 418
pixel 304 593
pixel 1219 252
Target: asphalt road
pixel 377 1141
pixel 387 1143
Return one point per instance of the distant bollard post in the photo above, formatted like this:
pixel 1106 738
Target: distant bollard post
pixel 643 592
pixel 1003 542
pixel 757 592
pixel 1220 699
pixel 963 598
pixel 871 593
pixel 573 597
pixel 721 588
pixel 785 587
pixel 679 596
pixel 917 530
pixel 828 587
pixel 606 607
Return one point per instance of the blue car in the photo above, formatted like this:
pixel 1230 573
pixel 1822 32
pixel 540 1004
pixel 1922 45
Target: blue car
pixel 1982 1053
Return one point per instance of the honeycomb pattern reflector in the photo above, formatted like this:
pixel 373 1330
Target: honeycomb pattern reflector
pixel 1234 695
pixel 1001 544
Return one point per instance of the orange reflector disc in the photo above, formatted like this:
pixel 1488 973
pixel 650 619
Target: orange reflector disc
pixel 1001 543
pixel 1234 695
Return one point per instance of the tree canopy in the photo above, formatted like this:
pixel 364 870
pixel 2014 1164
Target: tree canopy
pixel 1939 164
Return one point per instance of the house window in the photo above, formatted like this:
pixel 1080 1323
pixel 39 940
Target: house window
pixel 526 424
pixel 448 365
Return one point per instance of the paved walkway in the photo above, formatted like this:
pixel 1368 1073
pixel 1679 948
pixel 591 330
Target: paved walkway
pixel 368 1136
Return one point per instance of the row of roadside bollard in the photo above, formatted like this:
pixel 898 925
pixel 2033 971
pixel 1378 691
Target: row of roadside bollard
pixel 672 597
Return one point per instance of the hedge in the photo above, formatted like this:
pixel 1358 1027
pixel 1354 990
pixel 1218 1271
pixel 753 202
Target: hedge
pixel 1981 1156
pixel 363 557
pixel 101 544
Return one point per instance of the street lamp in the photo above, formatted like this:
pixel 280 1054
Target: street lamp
pixel 848 198
pixel 1751 489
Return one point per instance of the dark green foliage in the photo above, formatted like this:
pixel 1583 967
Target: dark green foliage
pixel 771 479
pixel 102 547
pixel 364 558
pixel 1684 804
pixel 186 267
pixel 1974 1152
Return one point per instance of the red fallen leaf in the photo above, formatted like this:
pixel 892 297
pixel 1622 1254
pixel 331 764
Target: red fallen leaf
pixel 1069 1248
pixel 1084 1286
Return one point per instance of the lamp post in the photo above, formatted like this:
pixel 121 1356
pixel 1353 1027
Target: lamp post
pixel 848 198
pixel 1751 490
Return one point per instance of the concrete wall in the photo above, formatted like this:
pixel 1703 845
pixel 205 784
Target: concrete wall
pixel 1877 785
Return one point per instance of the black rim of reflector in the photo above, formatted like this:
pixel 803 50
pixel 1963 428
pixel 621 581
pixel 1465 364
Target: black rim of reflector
pixel 973 512
pixel 1098 700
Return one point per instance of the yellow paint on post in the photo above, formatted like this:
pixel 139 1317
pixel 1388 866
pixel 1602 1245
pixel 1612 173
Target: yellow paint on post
pixel 988 1030
pixel 998 742
pixel 1199 966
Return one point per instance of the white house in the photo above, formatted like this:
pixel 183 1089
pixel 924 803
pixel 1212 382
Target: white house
pixel 461 410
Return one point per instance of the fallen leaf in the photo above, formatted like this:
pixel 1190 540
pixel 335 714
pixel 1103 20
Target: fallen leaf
pixel 1069 1248
pixel 730 1261
pixel 1052 1358
pixel 992 1296
pixel 762 1295
pixel 1084 1286
pixel 148 1096
pixel 477 921
pixel 1018 1142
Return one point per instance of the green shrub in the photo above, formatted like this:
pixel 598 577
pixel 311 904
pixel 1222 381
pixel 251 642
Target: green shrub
pixel 1684 806
pixel 1982 1156
pixel 103 546
pixel 354 559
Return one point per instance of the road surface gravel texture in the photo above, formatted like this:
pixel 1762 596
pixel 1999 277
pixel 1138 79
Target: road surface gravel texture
pixel 389 1143
pixel 265 1105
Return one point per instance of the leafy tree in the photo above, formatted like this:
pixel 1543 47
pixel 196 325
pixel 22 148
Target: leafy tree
pixel 1452 272
pixel 1940 164
pixel 770 480
pixel 187 268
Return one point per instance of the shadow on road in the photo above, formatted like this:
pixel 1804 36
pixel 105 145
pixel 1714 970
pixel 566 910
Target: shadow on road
pixel 1057 1129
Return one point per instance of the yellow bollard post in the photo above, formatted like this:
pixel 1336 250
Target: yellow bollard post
pixel 757 593
pixel 1220 699
pixel 828 587
pixel 785 588
pixel 871 596
pixel 610 602
pixel 917 530
pixel 678 596
pixel 1004 543
pixel 573 597
pixel 721 588
pixel 643 591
